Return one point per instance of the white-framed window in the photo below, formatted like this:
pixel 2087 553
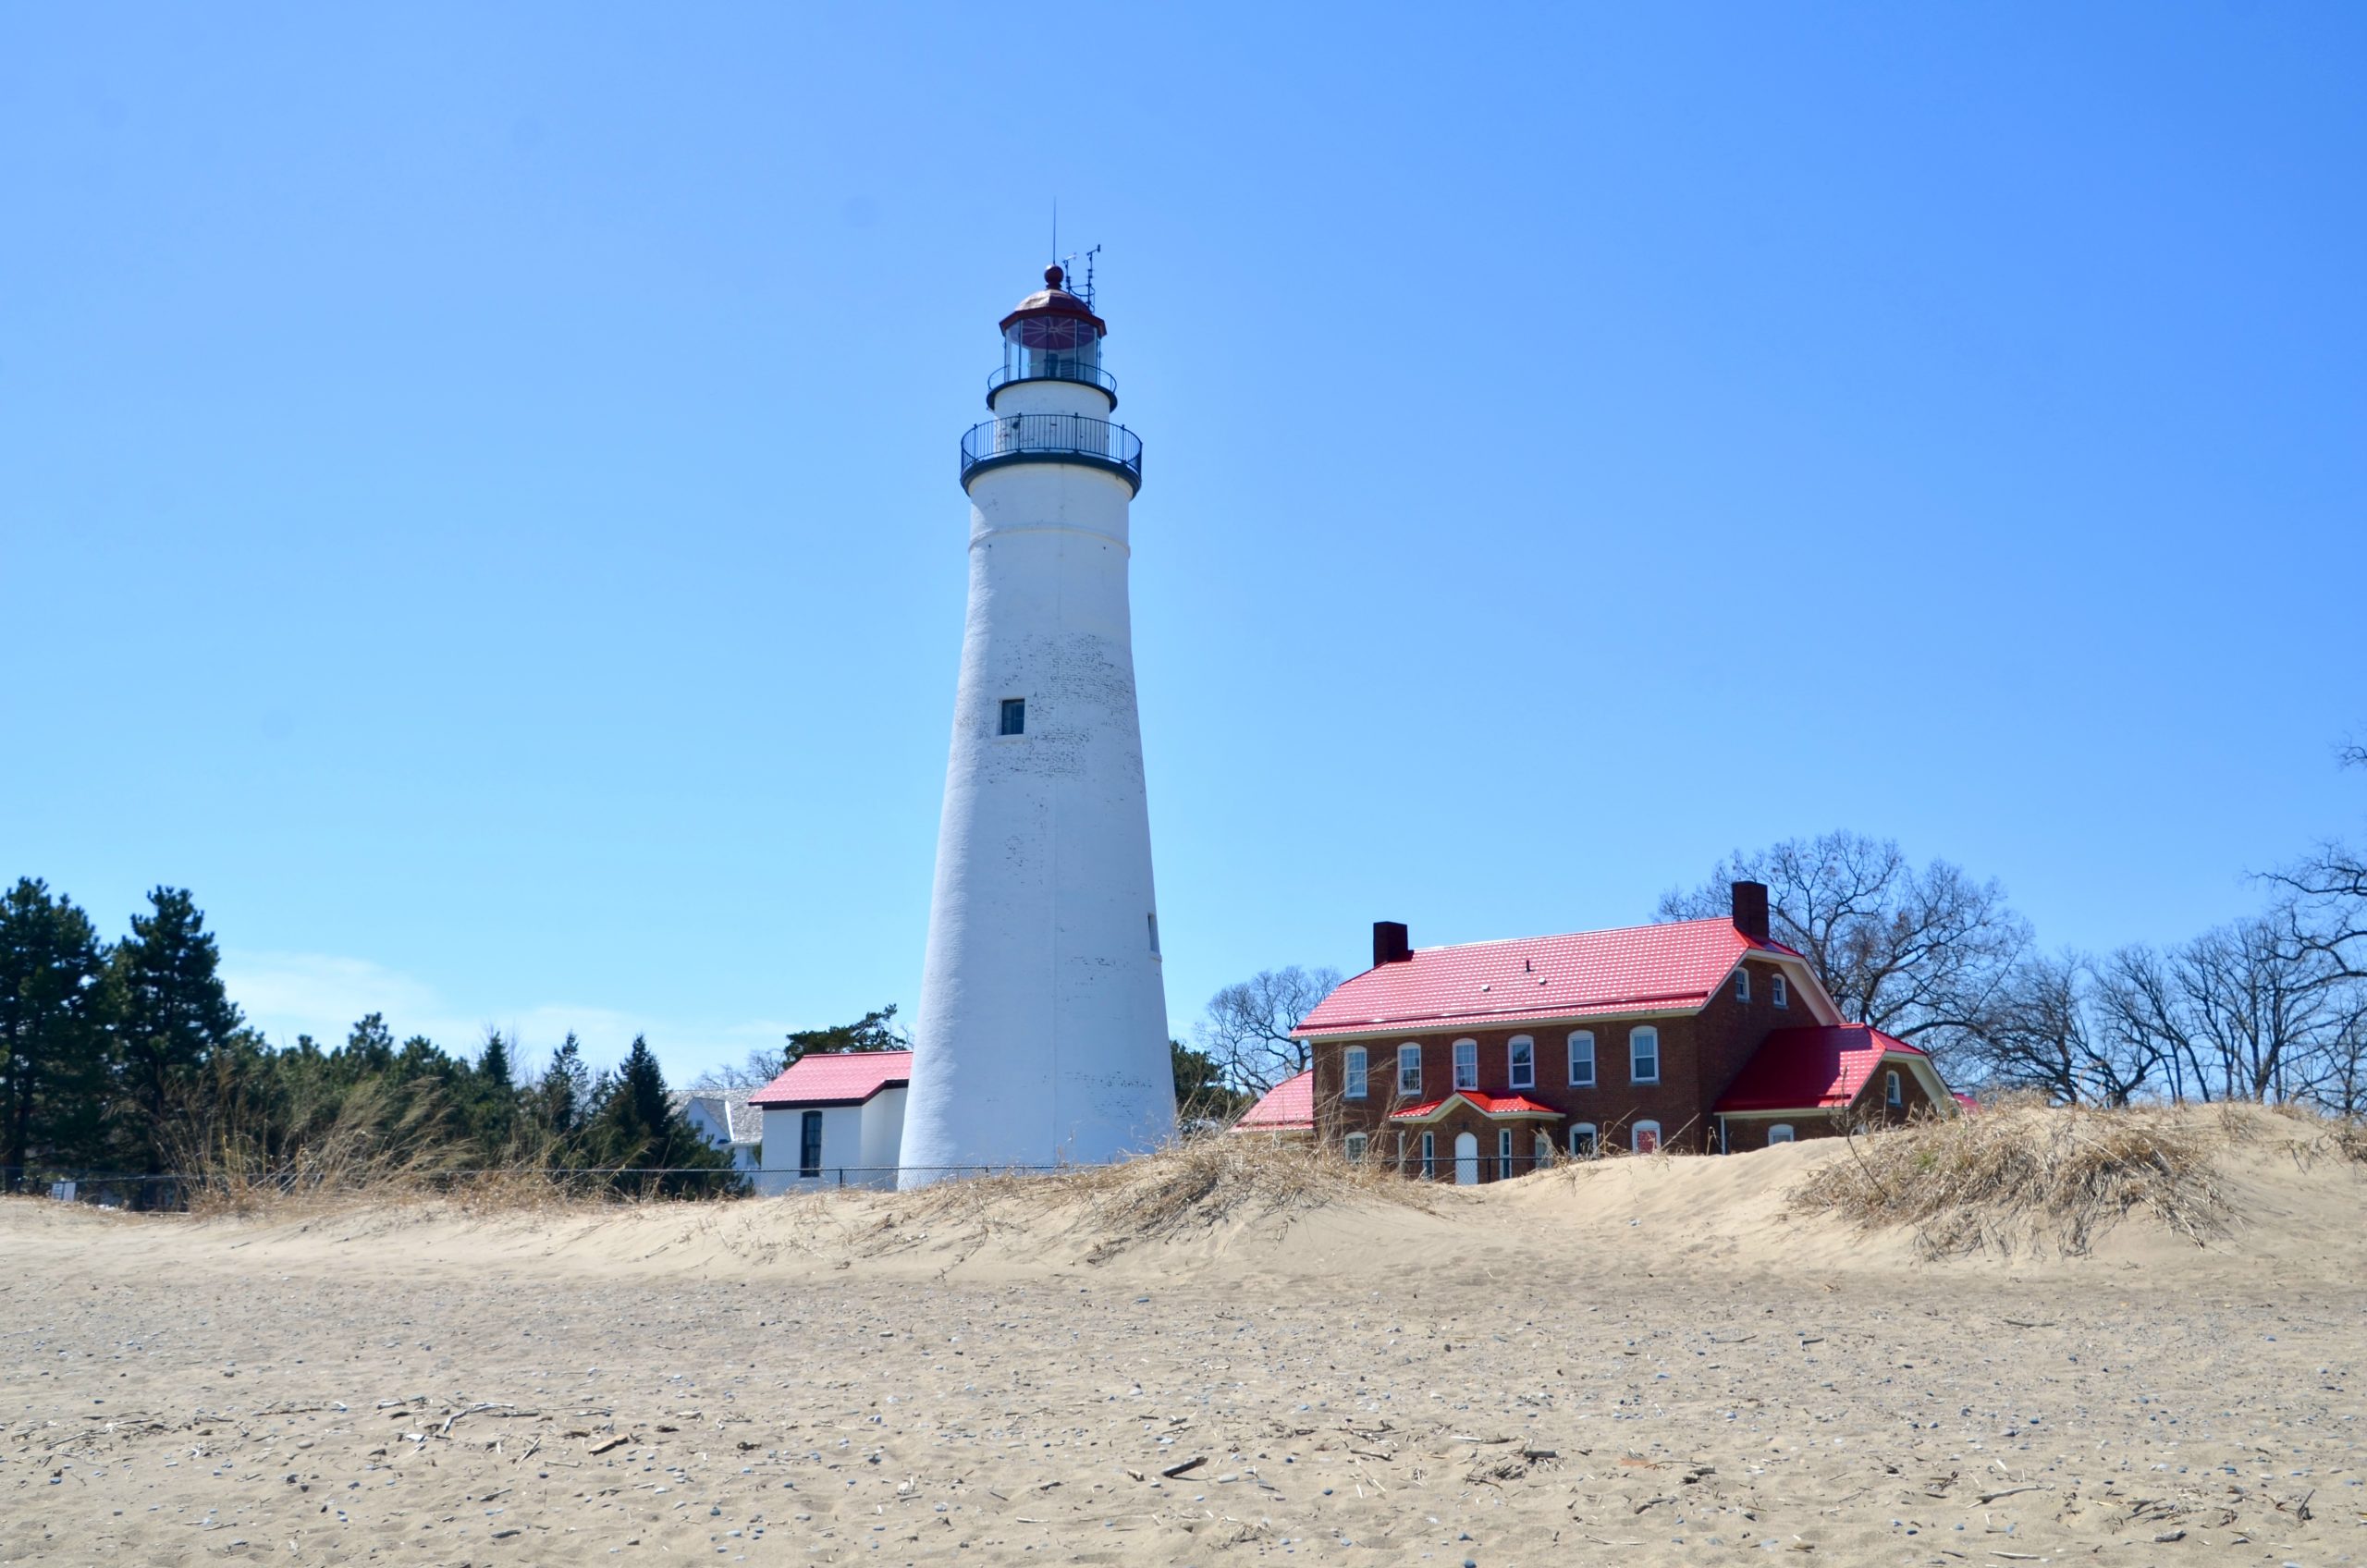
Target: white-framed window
pixel 1779 992
pixel 1643 1054
pixel 1647 1137
pixel 1779 1133
pixel 1582 1060
pixel 1541 1152
pixel 1409 1069
pixel 1742 985
pixel 1503 1154
pixel 1430 1157
pixel 1582 1140
pixel 1894 1092
pixel 1355 1144
pixel 1352 1074
pixel 1467 1064
pixel 1520 1058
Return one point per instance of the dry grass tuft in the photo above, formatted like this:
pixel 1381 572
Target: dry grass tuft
pixel 376 1153
pixel 231 1173
pixel 2350 1139
pixel 2028 1176
pixel 1195 1184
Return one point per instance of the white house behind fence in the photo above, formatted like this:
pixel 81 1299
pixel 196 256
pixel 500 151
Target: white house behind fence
pixel 726 1119
pixel 834 1120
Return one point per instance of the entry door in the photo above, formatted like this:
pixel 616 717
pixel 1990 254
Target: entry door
pixel 1466 1160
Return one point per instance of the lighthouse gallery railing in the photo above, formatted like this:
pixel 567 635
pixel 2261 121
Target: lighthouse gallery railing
pixel 1018 438
pixel 1051 368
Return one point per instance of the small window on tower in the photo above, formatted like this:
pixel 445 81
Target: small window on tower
pixel 1014 715
pixel 1154 936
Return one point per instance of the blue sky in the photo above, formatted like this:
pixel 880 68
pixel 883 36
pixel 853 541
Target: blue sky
pixel 477 495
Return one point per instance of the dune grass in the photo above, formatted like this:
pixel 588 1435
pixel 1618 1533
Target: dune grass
pixel 2023 1175
pixel 1195 1183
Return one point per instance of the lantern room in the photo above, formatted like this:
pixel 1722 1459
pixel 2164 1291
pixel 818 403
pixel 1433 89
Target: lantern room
pixel 1053 336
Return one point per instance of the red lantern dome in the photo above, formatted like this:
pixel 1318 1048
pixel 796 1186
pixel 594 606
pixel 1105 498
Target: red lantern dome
pixel 1054 304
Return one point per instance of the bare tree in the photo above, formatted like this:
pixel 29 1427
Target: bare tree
pixel 760 1069
pixel 2254 1010
pixel 2142 999
pixel 2329 890
pixel 2051 1030
pixel 2342 1087
pixel 1248 1029
pixel 1923 954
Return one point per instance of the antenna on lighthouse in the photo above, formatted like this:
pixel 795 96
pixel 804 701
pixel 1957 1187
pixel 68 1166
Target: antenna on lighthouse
pixel 1089 276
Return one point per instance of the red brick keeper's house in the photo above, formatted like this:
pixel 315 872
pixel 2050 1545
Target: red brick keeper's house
pixel 1478 1062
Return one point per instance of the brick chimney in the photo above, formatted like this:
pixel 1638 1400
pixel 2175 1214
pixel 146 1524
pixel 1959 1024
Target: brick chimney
pixel 1750 910
pixel 1389 943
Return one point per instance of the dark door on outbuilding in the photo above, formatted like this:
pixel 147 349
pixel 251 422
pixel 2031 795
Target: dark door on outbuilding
pixel 809 1144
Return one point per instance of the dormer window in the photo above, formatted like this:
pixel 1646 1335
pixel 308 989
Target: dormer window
pixel 1778 992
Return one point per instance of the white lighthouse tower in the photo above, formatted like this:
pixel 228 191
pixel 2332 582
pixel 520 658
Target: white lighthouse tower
pixel 1042 1030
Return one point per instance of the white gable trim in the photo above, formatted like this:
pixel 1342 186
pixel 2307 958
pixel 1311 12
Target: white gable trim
pixel 1805 984
pixel 1440 1112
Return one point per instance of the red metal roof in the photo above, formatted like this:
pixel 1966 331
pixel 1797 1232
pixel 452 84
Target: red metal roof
pixel 836 1078
pixel 1486 1105
pixel 1288 1104
pixel 1809 1068
pixel 1672 968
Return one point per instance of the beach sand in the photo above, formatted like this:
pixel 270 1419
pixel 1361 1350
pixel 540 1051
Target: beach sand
pixel 1641 1360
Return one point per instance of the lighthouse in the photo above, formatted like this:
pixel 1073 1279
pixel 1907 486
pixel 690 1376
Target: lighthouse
pixel 1041 1035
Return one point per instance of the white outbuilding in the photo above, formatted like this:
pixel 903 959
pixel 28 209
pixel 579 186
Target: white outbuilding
pixel 834 1119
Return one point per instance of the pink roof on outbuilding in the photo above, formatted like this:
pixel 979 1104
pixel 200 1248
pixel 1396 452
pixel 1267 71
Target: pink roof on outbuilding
pixel 1811 1068
pixel 836 1078
pixel 1288 1105
pixel 1672 968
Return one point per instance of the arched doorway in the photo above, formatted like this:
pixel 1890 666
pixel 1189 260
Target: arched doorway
pixel 1466 1160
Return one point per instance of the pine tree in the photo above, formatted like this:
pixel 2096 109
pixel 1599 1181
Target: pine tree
pixel 370 1049
pixel 493 1109
pixel 563 1096
pixel 631 1127
pixel 172 1017
pixel 54 1004
pixel 637 1127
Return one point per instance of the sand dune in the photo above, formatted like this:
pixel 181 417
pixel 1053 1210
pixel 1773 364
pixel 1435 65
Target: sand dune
pixel 1640 1360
